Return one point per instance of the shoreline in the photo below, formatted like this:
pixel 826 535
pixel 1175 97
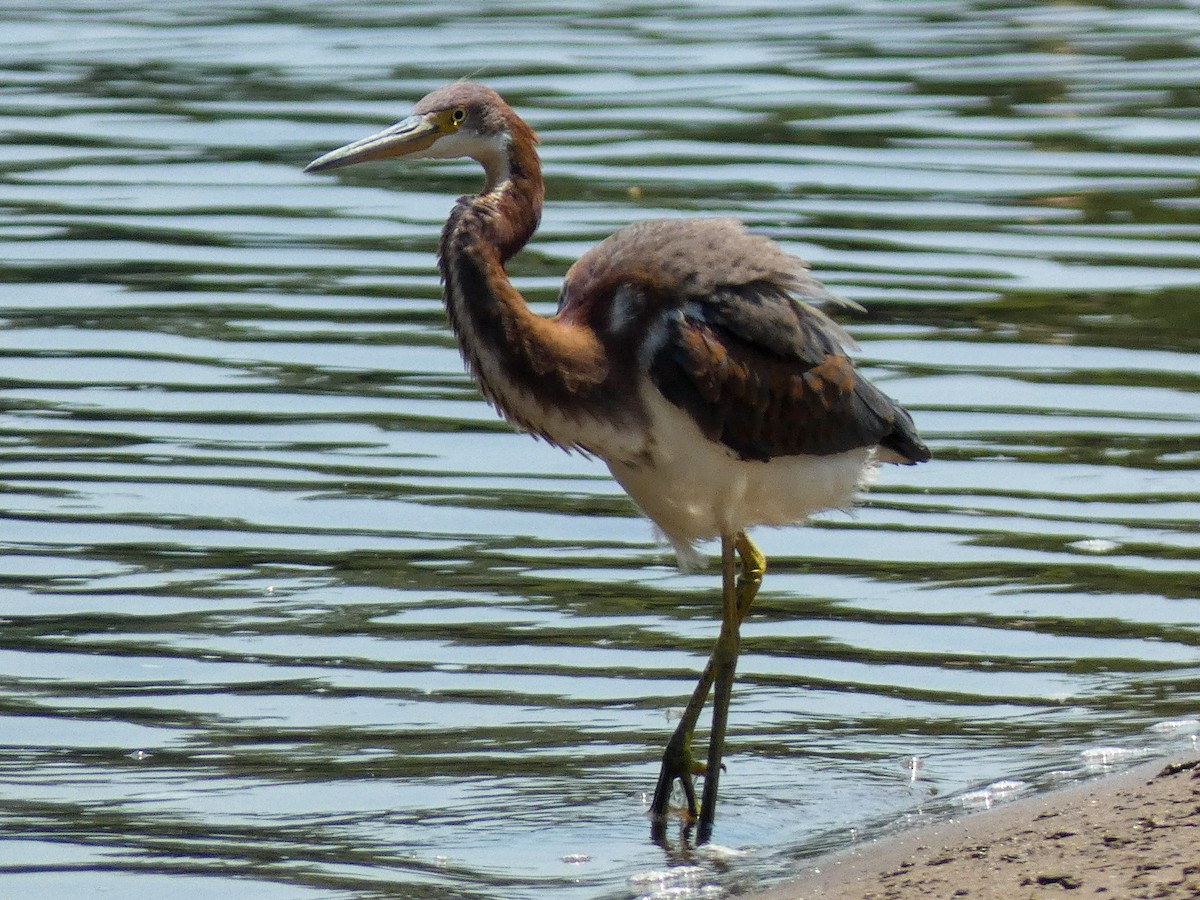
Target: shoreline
pixel 1130 834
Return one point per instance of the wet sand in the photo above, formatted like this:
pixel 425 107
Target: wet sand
pixel 1130 835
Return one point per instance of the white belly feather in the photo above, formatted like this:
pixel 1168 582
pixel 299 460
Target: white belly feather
pixel 691 488
pixel 694 489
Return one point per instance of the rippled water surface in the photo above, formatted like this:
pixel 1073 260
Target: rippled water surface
pixel 287 612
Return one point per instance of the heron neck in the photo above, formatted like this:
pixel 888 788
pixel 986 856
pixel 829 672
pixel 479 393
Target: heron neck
pixel 527 366
pixel 483 233
pixel 504 217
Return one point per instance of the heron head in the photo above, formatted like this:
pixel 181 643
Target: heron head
pixel 461 120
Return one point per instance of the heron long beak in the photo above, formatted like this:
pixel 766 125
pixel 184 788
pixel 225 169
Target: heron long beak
pixel 407 136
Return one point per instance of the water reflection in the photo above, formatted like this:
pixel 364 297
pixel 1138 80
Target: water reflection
pixel 283 602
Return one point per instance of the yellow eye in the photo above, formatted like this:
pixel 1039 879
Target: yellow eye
pixel 458 115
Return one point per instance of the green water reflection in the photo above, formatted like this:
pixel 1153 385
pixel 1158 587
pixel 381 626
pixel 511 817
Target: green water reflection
pixel 285 610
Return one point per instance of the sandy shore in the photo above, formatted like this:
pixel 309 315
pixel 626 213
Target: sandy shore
pixel 1131 835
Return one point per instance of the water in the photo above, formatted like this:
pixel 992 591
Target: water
pixel 288 613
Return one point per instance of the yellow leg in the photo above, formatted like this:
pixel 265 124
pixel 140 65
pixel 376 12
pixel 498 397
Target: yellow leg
pixel 754 566
pixel 678 762
pixel 724 664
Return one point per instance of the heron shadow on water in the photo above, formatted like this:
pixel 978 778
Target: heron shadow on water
pixel 687 354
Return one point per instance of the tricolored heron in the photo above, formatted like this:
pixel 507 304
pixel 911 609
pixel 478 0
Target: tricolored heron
pixel 685 353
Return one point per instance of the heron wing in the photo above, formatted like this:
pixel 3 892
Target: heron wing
pixel 767 376
pixel 734 339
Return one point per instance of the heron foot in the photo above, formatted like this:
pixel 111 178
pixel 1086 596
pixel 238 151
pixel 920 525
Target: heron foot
pixel 678 764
